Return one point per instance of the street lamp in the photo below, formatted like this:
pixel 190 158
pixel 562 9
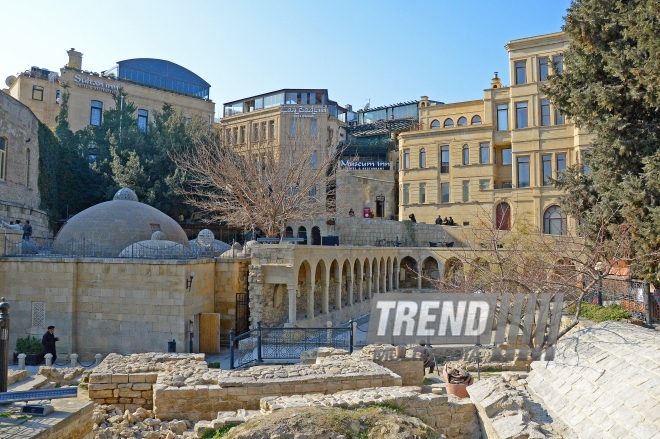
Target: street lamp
pixel 4 344
pixel 190 280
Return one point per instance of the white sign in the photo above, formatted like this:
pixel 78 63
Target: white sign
pixel 93 84
pixel 303 110
pixel 368 166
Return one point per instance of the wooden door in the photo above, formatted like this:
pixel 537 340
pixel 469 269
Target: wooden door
pixel 503 217
pixel 209 333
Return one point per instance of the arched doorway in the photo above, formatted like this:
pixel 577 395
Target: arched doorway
pixel 302 233
pixel 288 232
pixel 554 221
pixel 408 274
pixel 316 236
pixel 503 216
pixel 430 273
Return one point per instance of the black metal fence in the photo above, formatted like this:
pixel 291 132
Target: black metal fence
pixel 632 294
pixel 273 344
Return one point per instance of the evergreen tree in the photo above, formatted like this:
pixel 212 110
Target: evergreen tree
pixel 610 87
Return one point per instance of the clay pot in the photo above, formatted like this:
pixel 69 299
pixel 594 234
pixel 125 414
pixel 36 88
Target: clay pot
pixel 400 351
pixel 459 390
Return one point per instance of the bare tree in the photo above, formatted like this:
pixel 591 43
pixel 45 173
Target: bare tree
pixel 263 185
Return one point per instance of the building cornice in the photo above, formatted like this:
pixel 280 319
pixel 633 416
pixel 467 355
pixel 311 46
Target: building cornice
pixel 540 40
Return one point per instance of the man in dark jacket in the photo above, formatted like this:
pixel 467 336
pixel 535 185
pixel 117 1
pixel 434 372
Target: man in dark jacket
pixel 27 231
pixel 48 343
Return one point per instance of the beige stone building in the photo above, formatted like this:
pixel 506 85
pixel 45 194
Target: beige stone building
pixel 149 83
pixel 19 166
pixel 488 161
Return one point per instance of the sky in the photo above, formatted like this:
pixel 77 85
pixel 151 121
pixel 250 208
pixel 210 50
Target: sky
pixel 382 52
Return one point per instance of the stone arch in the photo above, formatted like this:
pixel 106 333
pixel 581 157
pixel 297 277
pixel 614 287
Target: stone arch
pixel 317 302
pixel 346 283
pixel 334 290
pixel 430 273
pixel 288 233
pixel 408 273
pixel 357 281
pixel 316 235
pixel 304 283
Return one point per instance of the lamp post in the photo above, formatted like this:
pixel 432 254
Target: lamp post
pixel 4 345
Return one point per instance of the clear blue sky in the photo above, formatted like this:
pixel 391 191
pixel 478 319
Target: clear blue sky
pixel 383 50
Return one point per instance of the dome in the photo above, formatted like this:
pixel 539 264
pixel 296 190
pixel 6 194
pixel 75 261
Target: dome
pixel 157 249
pixel 106 229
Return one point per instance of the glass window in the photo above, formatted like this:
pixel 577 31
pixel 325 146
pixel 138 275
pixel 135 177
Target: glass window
pixel 37 93
pixel 302 98
pixel 313 160
pixel 559 117
pixel 271 129
pixel 243 134
pixel 313 128
pixel 255 132
pixel 292 128
pixel 502 117
pixel 484 184
pixel 406 159
pixel 435 125
pixel 561 164
pixel 422 158
pixel 521 115
pixel 559 63
pixel 476 120
pixel 543 69
pixel 263 131
pixel 274 100
pixel 547 169
pixel 466 191
pixel 521 72
pixel 445 193
pixel 462 122
pixel 523 171
pixel 506 156
pixel 406 194
pixel 397 165
pixel 57 96
pixel 484 152
pixel 291 98
pixel 545 112
pixel 312 194
pixel 3 159
pixel 554 221
pixel 143 120
pixel 466 155
pixel 97 112
pixel 235 135
pixel 449 123
pixel 444 159
pixel 259 104
pixel 422 193
pixel 507 185
pixel 585 165
pixel 228 135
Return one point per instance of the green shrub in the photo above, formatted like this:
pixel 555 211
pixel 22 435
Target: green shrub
pixel 597 313
pixel 219 433
pixel 28 345
pixel 214 365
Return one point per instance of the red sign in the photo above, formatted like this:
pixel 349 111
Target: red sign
pixel 366 212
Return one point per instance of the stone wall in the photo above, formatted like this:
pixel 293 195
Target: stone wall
pixel 231 277
pixel 359 189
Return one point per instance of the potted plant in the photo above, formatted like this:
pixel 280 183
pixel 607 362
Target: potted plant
pixel 31 347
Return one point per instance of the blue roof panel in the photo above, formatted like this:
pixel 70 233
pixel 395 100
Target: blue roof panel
pixel 164 68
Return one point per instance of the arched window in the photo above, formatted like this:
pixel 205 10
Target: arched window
pixel 422 158
pixel 503 216
pixel 466 155
pixel 554 221
pixel 476 120
pixel 435 125
pixel 462 122
pixel 449 123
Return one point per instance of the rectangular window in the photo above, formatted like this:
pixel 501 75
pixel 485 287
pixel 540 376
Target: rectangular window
pixel 406 159
pixel 3 159
pixel 543 69
pixel 523 171
pixel 271 129
pixel 313 160
pixel 445 193
pixel 406 194
pixel 263 131
pixel 57 96
pixel 506 156
pixel 484 152
pixel 39 314
pixel 243 134
pixel 559 117
pixel 521 76
pixel 422 193
pixel 484 184
pixel 561 163
pixel 466 155
pixel 228 134
pixel 444 159
pixel 313 129
pixel 545 112
pixel 521 115
pixel 255 132
pixel 312 194
pixel 292 128
pixel 559 63
pixel 235 136
pixel 502 117
pixel 466 191
pixel 37 93
pixel 97 112
pixel 547 169
pixel 585 166
pixel 143 120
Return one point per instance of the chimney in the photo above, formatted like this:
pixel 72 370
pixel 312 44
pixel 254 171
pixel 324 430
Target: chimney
pixel 496 83
pixel 75 59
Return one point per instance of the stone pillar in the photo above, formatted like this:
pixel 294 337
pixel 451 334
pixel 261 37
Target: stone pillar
pixel 350 291
pixel 390 277
pixel 97 359
pixel 74 360
pixel 419 275
pixel 338 292
pixel 21 361
pixel 49 359
pixel 310 300
pixel 360 287
pixel 293 305
pixel 325 304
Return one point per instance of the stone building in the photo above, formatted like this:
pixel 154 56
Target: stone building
pixel 19 166
pixel 488 161
pixel 149 83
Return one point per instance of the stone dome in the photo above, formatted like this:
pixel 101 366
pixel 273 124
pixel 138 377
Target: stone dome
pixel 157 249
pixel 206 245
pixel 106 229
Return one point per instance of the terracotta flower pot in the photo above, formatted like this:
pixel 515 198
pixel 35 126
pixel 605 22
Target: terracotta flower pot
pixel 459 390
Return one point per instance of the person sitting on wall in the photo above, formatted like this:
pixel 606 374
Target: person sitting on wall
pixel 412 217
pixel 445 222
pixel 422 352
pixel 48 343
pixel 451 221
pixel 351 213
pixel 438 220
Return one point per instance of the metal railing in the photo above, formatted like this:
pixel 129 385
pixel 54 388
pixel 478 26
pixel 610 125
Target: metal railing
pixel 272 344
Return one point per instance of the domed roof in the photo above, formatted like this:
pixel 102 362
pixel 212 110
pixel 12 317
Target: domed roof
pixel 157 249
pixel 106 229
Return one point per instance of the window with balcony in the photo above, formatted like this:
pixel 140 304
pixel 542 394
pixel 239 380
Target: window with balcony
pixel 484 153
pixel 521 72
pixel 521 115
pixel 503 117
pixel 444 159
pixel 545 112
pixel 523 172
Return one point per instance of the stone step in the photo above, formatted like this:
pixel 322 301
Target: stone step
pixel 33 382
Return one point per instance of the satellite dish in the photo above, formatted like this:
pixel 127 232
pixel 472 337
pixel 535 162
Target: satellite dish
pixel 10 80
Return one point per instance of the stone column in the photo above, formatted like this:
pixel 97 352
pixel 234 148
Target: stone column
pixel 310 300
pixel 350 290
pixel 21 361
pixel 391 276
pixel 49 359
pixel 325 304
pixel 338 292
pixel 293 298
pixel 419 275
